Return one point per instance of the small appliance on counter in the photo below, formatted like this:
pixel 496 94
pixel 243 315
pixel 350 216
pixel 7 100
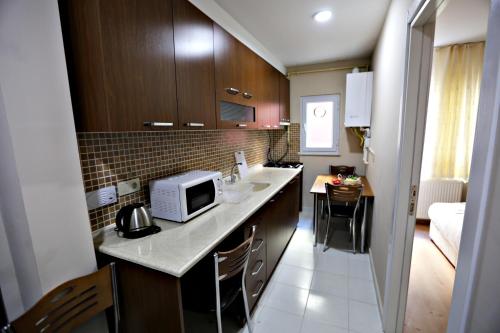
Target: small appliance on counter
pixel 181 197
pixel 135 221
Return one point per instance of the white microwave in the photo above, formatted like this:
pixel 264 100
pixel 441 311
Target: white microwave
pixel 184 196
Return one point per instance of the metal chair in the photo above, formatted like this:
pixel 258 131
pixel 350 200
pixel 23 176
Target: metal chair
pixel 343 201
pixel 71 304
pixel 227 265
pixel 343 170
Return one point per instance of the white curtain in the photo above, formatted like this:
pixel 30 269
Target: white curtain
pixel 451 114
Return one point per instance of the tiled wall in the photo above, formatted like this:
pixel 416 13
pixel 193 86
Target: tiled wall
pixel 107 158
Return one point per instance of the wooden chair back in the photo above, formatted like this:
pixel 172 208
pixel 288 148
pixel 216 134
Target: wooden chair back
pixel 344 170
pixel 232 262
pixel 348 195
pixel 71 304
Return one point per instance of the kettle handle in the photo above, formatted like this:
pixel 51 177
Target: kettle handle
pixel 124 213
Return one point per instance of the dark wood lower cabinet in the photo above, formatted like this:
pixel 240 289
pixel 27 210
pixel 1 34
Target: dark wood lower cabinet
pixel 152 301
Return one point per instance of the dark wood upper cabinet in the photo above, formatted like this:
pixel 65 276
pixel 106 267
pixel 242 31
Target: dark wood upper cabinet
pixel 268 96
pixel 129 77
pixel 235 82
pixel 284 99
pixel 194 61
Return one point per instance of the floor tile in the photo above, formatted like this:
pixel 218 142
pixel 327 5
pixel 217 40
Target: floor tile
pixel 360 269
pixel 329 283
pixel 359 256
pixel 335 263
pixel 362 290
pixel 327 309
pixel 300 258
pixel 269 320
pixel 295 276
pixel 287 298
pixel 315 327
pixel 364 317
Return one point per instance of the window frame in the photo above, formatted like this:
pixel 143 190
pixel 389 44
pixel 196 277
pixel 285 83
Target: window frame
pixel 335 150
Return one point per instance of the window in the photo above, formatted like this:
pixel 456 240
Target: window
pixel 319 133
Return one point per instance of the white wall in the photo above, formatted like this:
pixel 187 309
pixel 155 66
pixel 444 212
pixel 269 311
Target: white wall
pixel 42 198
pixel 324 83
pixel 388 68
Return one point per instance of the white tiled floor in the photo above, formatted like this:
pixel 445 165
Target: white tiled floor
pixel 313 291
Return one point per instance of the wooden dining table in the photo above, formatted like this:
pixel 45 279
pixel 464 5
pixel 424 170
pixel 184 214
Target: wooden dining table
pixel 319 191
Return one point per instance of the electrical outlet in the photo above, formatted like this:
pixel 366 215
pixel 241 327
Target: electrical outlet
pixel 101 197
pixel 129 186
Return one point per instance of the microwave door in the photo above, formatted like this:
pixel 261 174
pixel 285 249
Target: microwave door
pixel 199 197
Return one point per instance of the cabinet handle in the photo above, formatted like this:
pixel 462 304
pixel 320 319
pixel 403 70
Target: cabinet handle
pixel 258 269
pixel 232 91
pixel 275 126
pixel 284 123
pixel 194 124
pixel 281 192
pixel 247 95
pixel 241 125
pixel 267 126
pixel 157 124
pixel 261 284
pixel 272 200
pixel 258 247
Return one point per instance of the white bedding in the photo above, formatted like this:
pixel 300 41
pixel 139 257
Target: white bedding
pixel 446 227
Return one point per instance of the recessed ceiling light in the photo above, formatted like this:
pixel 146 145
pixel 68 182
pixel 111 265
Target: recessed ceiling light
pixel 322 16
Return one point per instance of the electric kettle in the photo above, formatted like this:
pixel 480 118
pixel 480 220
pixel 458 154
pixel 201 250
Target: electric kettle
pixel 135 221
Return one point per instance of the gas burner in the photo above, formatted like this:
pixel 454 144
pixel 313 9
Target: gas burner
pixel 288 165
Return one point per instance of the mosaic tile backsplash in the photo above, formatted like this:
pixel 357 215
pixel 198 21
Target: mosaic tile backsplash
pixel 108 158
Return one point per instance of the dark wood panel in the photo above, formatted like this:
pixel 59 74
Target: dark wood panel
pixel 268 96
pixel 138 51
pixel 234 68
pixel 194 63
pixel 82 43
pixel 150 301
pixel 284 99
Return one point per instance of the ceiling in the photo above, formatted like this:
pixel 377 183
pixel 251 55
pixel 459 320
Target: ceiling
pixel 462 21
pixel 286 27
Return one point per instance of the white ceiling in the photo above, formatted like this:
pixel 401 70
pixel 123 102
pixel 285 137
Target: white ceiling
pixel 462 21
pixel 286 27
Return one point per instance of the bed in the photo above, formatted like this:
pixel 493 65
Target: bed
pixel 446 227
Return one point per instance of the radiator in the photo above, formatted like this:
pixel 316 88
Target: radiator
pixel 437 190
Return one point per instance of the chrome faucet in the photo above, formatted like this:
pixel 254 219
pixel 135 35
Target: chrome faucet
pixel 233 176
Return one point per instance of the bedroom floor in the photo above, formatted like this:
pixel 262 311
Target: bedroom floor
pixel 431 285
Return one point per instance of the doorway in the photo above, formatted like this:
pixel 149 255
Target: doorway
pixel 420 49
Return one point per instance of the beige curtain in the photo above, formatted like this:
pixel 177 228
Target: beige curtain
pixel 451 115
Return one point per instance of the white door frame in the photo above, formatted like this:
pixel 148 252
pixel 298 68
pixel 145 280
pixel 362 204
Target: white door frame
pixel 419 47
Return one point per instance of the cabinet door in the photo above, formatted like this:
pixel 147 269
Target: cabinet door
pixel 268 96
pixel 194 64
pixel 232 61
pixel 138 48
pixel 274 231
pixel 284 99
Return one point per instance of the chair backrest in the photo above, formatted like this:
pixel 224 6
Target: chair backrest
pixel 344 170
pixel 70 304
pixel 233 261
pixel 348 195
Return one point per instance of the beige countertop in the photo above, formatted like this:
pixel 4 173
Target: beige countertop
pixel 179 246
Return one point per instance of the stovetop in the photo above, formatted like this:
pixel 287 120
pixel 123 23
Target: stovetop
pixel 290 165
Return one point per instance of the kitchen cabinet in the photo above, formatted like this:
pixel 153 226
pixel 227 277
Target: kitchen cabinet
pixel 268 96
pixel 194 65
pixel 121 63
pixel 235 82
pixel 284 99
pixel 358 99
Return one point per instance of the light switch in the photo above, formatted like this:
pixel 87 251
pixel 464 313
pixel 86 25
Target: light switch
pixel 129 186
